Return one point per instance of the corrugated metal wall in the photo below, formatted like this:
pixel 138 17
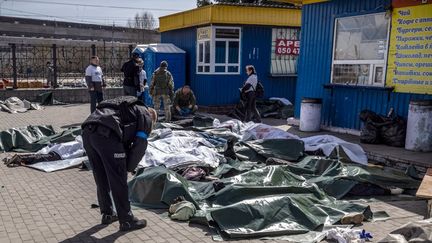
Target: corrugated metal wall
pixel 175 66
pixel 223 89
pixel 341 106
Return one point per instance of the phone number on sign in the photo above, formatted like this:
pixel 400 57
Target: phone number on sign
pixel 287 51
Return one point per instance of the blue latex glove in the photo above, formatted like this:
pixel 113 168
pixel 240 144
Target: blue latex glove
pixel 365 235
pixel 185 111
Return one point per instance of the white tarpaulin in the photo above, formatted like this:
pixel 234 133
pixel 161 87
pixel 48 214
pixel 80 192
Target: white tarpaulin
pixel 173 150
pixel 15 105
pixel 69 150
pixel 51 166
pixel 234 125
pixel 262 131
pixel 328 144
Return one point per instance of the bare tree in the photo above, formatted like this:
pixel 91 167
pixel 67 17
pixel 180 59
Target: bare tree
pixel 145 20
pixel 202 3
pixel 130 23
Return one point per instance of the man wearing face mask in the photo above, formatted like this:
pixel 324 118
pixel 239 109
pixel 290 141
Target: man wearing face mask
pixel 115 141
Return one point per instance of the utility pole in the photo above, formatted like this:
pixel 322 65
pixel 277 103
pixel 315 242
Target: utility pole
pixel 112 33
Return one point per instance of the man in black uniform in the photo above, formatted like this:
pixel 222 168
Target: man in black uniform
pixel 115 140
pixel 130 70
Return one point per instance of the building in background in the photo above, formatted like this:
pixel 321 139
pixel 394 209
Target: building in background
pixel 26 45
pixel 368 54
pixel 221 39
pixel 48 29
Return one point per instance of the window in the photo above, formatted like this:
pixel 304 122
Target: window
pixel 285 51
pixel 360 50
pixel 218 50
pixel 203 63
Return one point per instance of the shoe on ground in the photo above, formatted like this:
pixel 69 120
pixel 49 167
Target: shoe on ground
pixel 135 224
pixel 108 219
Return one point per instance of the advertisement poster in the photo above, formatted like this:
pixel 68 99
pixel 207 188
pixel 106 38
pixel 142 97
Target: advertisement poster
pixel 287 47
pixel 285 51
pixel 410 52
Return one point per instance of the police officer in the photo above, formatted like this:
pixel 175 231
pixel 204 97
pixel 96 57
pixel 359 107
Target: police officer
pixel 162 87
pixel 115 140
pixel 130 70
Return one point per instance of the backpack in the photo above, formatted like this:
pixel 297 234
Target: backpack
pixel 259 90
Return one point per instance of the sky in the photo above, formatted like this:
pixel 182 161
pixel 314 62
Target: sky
pixel 115 12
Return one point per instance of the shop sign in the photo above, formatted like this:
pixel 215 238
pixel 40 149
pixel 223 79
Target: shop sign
pixel 287 47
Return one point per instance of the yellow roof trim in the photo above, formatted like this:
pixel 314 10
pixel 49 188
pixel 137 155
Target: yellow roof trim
pixel 301 2
pixel 228 14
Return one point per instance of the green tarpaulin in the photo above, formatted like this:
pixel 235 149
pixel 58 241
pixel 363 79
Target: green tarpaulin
pixel 33 138
pixel 267 200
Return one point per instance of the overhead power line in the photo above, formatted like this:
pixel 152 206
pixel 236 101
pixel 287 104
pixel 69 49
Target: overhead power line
pixel 44 15
pixel 77 18
pixel 95 5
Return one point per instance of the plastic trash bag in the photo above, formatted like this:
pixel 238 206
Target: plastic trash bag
pixel 381 129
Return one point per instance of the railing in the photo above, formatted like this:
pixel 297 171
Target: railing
pixel 37 66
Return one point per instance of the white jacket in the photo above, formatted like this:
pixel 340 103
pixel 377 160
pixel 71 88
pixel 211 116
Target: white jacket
pixel 253 80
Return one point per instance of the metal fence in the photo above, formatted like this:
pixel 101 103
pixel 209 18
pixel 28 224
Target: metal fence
pixel 25 66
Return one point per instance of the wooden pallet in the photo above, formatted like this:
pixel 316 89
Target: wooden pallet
pixel 425 191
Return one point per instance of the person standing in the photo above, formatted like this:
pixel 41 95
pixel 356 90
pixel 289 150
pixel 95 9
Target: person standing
pixel 130 70
pixel 115 140
pixel 162 87
pixel 95 82
pixel 49 74
pixel 248 90
pixel 142 76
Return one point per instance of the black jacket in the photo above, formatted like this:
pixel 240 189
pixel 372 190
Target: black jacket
pixel 131 74
pixel 125 116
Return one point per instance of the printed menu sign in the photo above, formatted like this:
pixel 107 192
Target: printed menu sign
pixel 410 53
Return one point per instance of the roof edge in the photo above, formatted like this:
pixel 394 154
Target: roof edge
pixel 232 14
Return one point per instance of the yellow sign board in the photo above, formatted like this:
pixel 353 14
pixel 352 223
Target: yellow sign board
pixel 204 33
pixel 410 54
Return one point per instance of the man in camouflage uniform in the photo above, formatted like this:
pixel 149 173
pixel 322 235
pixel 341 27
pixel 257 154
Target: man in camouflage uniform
pixel 184 102
pixel 162 87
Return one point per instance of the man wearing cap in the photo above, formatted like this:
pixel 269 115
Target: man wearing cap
pixel 162 87
pixel 184 102
pixel 130 70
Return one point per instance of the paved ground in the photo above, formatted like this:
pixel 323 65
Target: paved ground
pixel 57 116
pixel 55 207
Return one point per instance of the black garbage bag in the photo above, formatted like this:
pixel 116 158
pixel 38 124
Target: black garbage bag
pixel 394 132
pixel 369 134
pixel 381 129
pixel 370 131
